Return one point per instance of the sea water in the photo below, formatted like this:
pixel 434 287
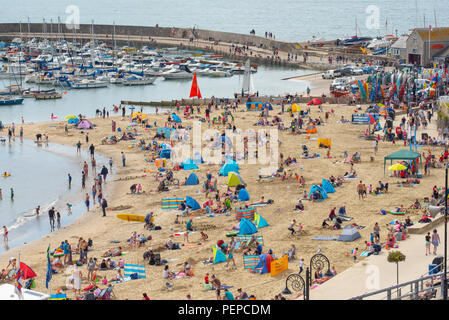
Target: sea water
pixel 289 20
pixel 39 176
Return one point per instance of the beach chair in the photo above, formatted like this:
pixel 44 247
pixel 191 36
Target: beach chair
pixel 107 294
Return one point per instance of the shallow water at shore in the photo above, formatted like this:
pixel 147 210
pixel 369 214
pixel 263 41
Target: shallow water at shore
pixel 39 177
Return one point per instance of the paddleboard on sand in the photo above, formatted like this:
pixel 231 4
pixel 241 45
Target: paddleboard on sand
pixel 131 217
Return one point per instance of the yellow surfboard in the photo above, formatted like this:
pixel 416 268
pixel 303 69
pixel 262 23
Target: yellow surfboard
pixel 131 217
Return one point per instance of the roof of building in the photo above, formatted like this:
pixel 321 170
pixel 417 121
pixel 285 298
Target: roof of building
pixel 401 43
pixel 436 34
pixel 444 53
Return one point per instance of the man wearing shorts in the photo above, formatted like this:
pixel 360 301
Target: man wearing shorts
pixel 360 190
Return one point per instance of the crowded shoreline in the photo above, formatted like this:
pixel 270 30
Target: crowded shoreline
pixel 279 214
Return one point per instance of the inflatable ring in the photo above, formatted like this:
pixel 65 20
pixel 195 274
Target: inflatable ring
pixel 397 213
pixel 6 175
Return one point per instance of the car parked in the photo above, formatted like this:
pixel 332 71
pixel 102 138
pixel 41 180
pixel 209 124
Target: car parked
pixel 331 74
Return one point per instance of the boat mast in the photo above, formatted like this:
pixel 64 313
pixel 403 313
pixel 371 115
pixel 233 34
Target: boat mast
pixel 92 45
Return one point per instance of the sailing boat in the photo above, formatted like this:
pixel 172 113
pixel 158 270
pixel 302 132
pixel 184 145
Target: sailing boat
pixel 195 90
pixel 247 84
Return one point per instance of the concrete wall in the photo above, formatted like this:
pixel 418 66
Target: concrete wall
pixel 149 32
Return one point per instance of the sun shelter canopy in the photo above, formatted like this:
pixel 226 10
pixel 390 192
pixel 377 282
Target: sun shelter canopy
pixel 176 118
pixel 228 167
pixel 85 124
pixel 192 203
pixel 243 195
pixel 189 165
pixel 402 155
pixel 234 179
pixel 349 233
pixel 192 180
pixel 246 227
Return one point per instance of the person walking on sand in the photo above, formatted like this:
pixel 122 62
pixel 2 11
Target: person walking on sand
pixel 123 159
pixel 301 265
pixel 58 219
pixel 104 172
pixel 435 241
pixel 110 164
pixel 230 256
pixel 76 276
pixel 83 179
pixel 94 165
pixel 5 235
pixel 78 148
pixel 87 201
pixel 104 205
pixel 51 216
pixel 360 190
pixel 86 169
pixel 70 180
pixel 428 237
pixel 354 254
pixel 92 150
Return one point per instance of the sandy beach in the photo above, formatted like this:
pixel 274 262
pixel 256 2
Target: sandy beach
pixel 103 230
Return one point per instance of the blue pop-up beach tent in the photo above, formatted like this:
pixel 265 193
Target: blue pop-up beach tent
pixel 192 180
pixel 327 186
pixel 246 227
pixel 189 165
pixel 243 195
pixel 176 118
pixel 192 203
pixel 320 189
pixel 228 167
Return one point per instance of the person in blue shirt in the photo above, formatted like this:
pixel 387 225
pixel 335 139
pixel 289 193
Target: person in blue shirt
pixel 342 211
pixel 258 248
pixel 228 295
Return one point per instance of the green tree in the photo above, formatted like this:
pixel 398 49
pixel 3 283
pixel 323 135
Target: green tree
pixel 396 257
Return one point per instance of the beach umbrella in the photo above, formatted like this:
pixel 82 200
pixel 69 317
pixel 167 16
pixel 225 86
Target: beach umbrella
pixel 315 102
pixel 70 117
pixel 397 167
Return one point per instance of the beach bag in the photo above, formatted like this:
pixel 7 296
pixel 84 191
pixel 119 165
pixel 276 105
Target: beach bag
pixel 79 263
pixel 134 276
pixel 33 284
pixel 157 228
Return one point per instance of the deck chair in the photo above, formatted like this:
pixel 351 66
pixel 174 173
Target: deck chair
pixel 10 275
pixel 108 293
pixel 102 293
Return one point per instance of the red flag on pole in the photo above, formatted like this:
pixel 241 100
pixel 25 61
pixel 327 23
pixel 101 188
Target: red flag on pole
pixel 195 90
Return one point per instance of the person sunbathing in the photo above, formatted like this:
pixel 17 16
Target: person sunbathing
pixel 113 252
pixel 118 277
pixel 170 245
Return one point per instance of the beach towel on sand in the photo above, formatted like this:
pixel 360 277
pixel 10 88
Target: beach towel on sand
pixel 135 268
pixel 325 238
